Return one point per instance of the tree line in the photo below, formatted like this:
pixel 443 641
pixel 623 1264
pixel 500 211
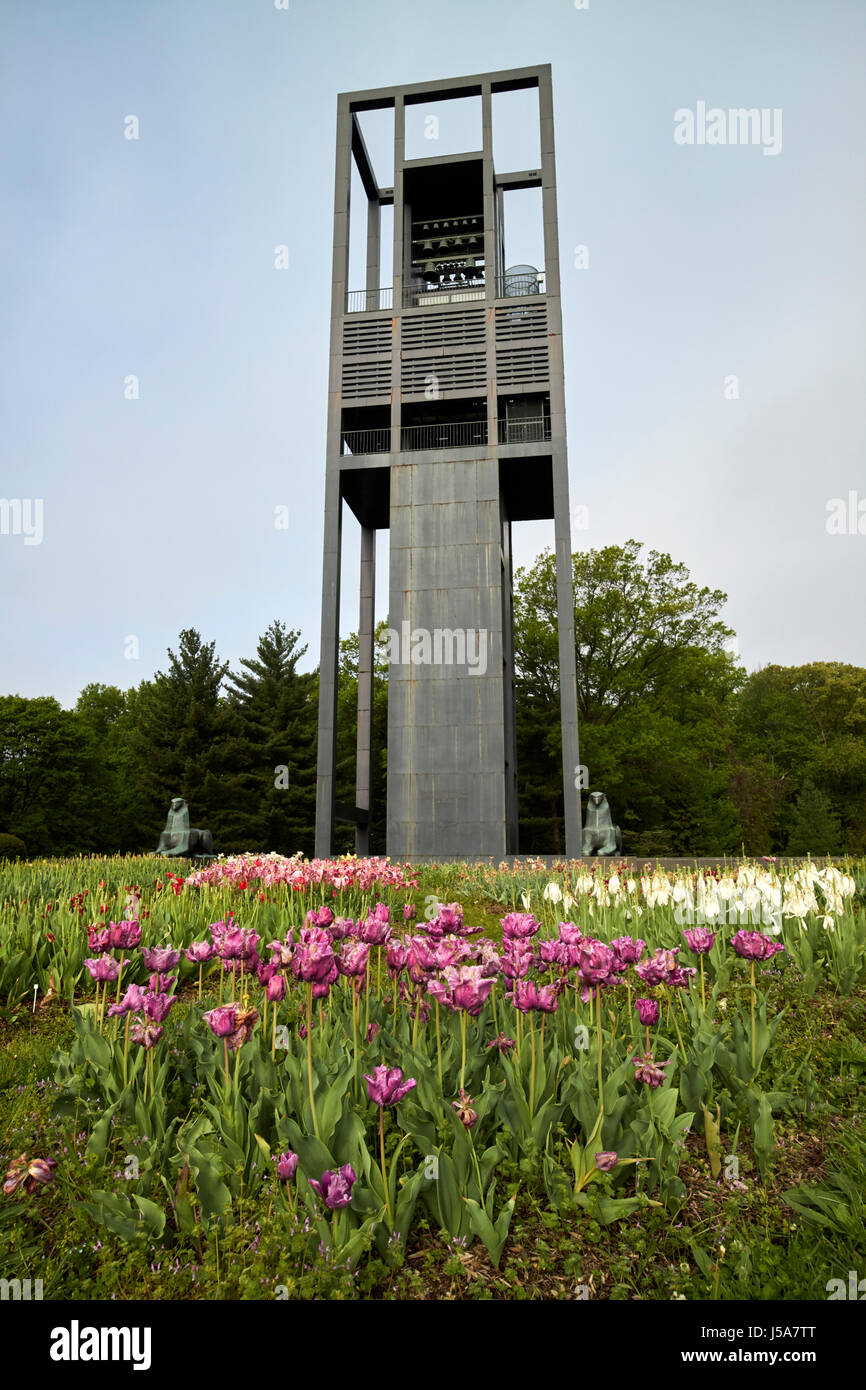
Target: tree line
pixel 696 756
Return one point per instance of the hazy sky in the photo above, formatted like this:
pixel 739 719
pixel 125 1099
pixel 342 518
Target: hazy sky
pixel 155 258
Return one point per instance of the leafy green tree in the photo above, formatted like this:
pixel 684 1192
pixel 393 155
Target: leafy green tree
pixel 181 730
pixel 815 827
pixel 42 773
pixel 655 687
pixel 269 792
pixel 808 723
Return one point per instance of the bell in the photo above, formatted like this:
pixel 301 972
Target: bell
pixel 443 245
pixel 428 246
pixel 426 227
pixel 429 268
pixel 458 243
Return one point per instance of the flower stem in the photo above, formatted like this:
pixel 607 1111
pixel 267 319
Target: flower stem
pixel 532 1067
pixel 310 1057
pixel 753 1013
pixel 463 1051
pixel 384 1169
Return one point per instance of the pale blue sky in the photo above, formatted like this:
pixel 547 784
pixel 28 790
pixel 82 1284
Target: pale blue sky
pixel 156 257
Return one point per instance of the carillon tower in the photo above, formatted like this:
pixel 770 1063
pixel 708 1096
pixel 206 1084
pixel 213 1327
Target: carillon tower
pixel 446 424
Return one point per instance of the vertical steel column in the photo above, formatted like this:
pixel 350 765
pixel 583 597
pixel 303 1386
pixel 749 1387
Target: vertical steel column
pixel 366 624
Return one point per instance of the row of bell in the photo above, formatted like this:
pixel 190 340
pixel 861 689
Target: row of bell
pixel 453 225
pixel 456 243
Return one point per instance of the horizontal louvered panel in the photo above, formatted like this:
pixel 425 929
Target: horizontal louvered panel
pixel 464 372
pixel 443 328
pixel 366 379
pixel 521 321
pixel 366 336
pixel 514 366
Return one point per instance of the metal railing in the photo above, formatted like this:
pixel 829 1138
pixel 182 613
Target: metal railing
pixel 450 434
pixel 377 441
pixel 369 301
pixel 534 431
pixel 415 298
pixel 512 286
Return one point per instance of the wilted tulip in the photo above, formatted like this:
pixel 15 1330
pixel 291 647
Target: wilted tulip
pixel 145 1033
pixel 31 1174
pixel 386 1086
pixel 606 1160
pixel 650 1071
pixel 463 1106
pixel 335 1189
pixel 501 1043
pixel 245 1021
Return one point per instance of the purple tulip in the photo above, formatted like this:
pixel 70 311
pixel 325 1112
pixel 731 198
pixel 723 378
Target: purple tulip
pixel 199 952
pixel 519 925
pixel 275 989
pixel 596 962
pixel 501 1043
pixel 658 969
pixel 157 1006
pixel 700 940
pixel 132 1001
pixel 529 998
pixel 124 936
pixel 554 953
pixel 160 984
pixel 221 1021
pixel 159 957
pixel 287 1165
pixel 469 989
pixel 516 958
pixel 627 950
pixel 386 1086
pixel 103 969
pixel 681 976
pixel 335 1189
pixel 754 945
pixel 353 958
pixel 372 1030
pixel 340 928
pixel 98 940
pixel 398 958
pixel 647 1012
pixel 410 912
